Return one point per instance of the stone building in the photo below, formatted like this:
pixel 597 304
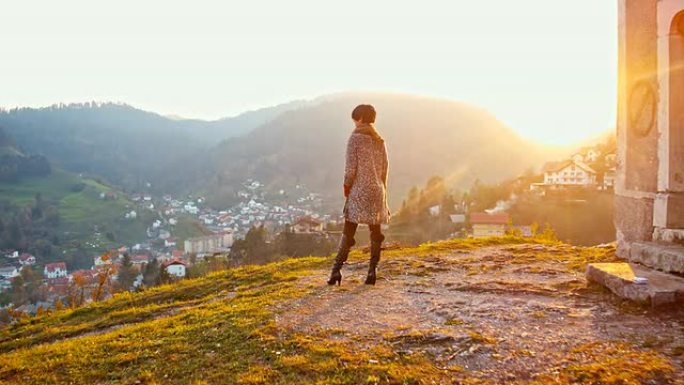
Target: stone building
pixel 649 185
pixel 650 177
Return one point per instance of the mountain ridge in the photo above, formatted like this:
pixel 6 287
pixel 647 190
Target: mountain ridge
pixel 425 137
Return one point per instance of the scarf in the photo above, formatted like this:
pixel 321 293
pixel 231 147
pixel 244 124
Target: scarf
pixel 369 129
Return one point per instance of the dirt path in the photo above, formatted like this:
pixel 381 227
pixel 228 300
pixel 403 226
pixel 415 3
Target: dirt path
pixel 492 312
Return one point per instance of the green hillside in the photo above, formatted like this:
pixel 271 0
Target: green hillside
pixel 489 311
pixel 86 221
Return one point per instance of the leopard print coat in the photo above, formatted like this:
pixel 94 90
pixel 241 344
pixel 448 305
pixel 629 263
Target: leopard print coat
pixel 366 173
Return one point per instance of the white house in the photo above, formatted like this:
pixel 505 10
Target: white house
pixel 27 259
pixel 569 173
pixel 55 270
pixel 307 224
pixel 8 272
pixel 175 269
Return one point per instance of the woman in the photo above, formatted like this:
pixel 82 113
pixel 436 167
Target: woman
pixel 365 187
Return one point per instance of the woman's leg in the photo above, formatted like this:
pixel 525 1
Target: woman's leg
pixel 346 244
pixel 376 246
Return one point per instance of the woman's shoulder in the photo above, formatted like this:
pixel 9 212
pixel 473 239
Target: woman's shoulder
pixel 357 137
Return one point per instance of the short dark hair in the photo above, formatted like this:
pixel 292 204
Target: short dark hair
pixel 364 113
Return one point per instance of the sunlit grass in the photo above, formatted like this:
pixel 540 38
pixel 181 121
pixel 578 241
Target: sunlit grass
pixel 221 329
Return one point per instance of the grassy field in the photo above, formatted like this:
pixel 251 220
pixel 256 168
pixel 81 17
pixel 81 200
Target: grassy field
pixel 81 210
pixel 223 329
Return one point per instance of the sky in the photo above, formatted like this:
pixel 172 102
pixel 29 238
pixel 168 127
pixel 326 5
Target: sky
pixel 546 68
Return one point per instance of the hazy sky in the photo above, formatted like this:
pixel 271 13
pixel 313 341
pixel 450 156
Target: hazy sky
pixel 547 68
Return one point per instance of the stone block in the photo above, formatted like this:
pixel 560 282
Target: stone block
pixel 660 290
pixel 665 257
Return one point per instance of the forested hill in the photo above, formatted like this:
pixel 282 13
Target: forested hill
pixel 424 136
pixel 281 146
pixel 15 165
pixel 125 145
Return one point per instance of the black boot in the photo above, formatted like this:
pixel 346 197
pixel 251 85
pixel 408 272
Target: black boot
pixel 375 248
pixel 342 255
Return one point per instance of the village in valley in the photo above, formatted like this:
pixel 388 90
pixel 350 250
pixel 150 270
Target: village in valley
pixel 54 282
pixel 591 169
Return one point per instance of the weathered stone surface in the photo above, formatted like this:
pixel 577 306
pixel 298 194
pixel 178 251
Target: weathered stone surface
pixel 660 290
pixel 665 257
pixel 668 235
pixel 633 222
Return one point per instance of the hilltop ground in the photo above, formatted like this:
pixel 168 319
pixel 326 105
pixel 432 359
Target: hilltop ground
pixel 477 312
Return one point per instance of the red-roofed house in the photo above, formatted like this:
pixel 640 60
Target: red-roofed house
pixel 175 268
pixel 27 259
pixel 170 242
pixel 489 225
pixel 87 275
pixel 58 285
pixel 55 270
pixel 140 259
pixel 177 254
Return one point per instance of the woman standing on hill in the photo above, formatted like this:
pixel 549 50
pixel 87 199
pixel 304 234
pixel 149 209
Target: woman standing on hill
pixel 365 187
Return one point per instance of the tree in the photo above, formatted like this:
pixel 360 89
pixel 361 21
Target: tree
pixel 19 294
pixel 103 279
pixel 76 289
pixel 127 273
pixel 151 273
pixel 32 283
pixel 253 249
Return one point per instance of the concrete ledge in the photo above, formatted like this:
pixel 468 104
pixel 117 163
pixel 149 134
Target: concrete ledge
pixel 666 257
pixel 660 290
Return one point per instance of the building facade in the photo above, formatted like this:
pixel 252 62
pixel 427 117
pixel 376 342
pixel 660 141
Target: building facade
pixel 489 225
pixel 55 270
pixel 649 185
pixel 569 173
pixel 209 244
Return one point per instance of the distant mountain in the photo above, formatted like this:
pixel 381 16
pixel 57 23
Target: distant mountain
pixel 125 145
pixel 425 137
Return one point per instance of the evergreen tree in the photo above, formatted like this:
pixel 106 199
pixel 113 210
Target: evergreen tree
pixel 151 274
pixel 127 273
pixel 19 295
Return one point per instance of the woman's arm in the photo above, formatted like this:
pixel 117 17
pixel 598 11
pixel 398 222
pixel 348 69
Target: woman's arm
pixel 385 166
pixel 351 164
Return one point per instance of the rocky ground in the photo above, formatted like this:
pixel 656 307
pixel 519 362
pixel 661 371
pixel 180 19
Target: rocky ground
pixel 509 313
pixel 476 311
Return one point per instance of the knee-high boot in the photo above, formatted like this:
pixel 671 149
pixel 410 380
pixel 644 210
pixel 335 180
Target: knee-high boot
pixel 346 244
pixel 375 248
